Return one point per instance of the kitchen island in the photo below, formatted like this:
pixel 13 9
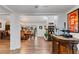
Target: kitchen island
pixel 63 45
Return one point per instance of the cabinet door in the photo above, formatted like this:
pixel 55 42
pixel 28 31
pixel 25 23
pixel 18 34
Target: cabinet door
pixel 55 47
pixel 63 49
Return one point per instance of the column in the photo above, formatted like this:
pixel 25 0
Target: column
pixel 15 38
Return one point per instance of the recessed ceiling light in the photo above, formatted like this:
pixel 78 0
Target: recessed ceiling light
pixel 37 6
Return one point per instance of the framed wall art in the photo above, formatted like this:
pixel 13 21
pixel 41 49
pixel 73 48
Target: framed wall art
pixel 73 21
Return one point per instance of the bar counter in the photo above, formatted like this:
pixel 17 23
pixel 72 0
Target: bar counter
pixel 62 45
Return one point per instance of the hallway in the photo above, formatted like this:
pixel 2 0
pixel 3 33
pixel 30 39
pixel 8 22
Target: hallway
pixel 37 46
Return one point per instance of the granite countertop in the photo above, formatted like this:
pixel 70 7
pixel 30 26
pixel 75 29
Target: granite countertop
pixel 64 38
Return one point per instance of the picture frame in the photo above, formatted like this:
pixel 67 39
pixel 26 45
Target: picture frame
pixel 73 21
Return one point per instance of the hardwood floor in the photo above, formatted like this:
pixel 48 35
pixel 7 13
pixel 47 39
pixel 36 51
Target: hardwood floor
pixel 31 46
pixel 4 46
pixel 37 46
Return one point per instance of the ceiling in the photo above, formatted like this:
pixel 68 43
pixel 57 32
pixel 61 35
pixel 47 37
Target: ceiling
pixel 33 19
pixel 34 9
pixel 40 10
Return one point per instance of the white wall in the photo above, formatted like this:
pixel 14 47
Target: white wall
pixel 58 20
pixel 40 32
pixel 61 20
pixel 60 24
